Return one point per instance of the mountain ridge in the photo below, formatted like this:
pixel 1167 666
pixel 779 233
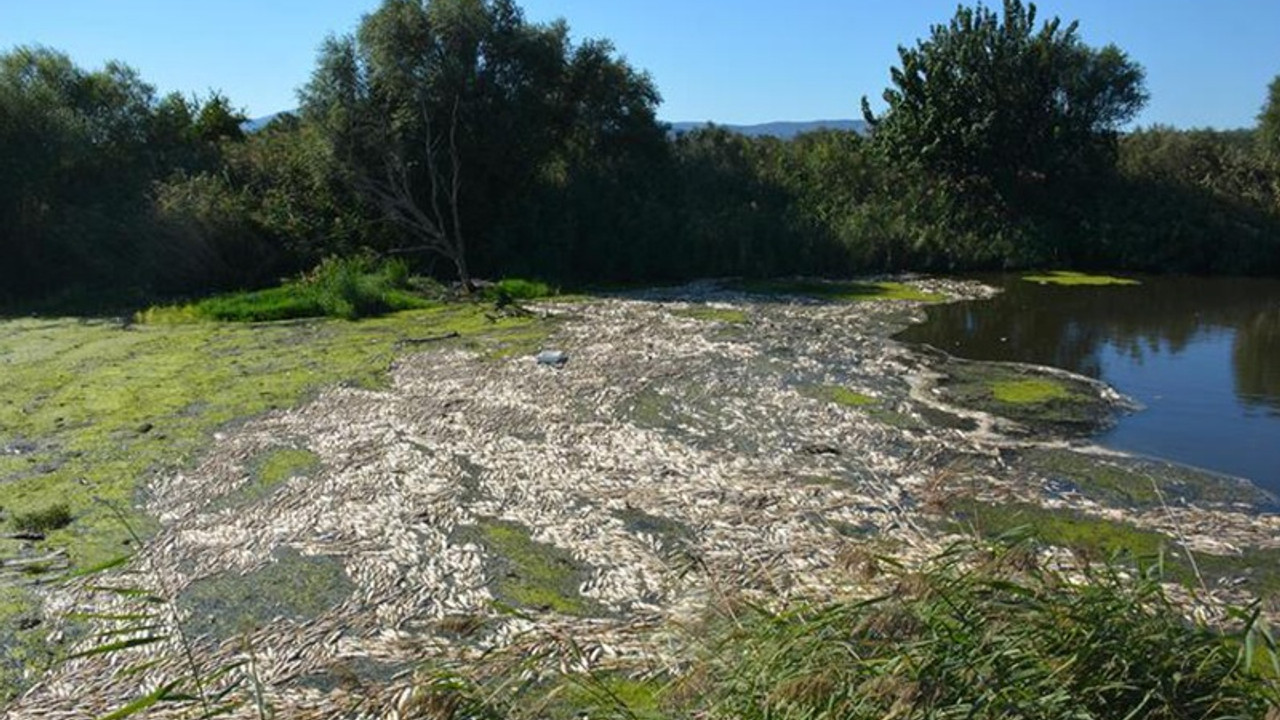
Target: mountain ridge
pixel 783 129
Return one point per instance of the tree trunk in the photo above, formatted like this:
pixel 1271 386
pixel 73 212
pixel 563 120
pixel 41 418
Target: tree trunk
pixel 464 275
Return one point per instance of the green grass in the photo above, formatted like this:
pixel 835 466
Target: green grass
pixel 1070 279
pixel 838 291
pixel 1028 391
pixel 349 288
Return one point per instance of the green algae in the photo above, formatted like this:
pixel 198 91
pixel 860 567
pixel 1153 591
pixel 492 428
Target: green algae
pixel 671 533
pixel 1028 391
pixel 292 586
pixel 1068 279
pixel 24 648
pixel 1098 539
pixel 853 291
pixel 1139 482
pixel 119 403
pixel 43 520
pixel 713 314
pixel 841 395
pixel 528 573
pixel 268 472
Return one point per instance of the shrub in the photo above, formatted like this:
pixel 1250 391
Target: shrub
pixel 349 288
pixel 518 289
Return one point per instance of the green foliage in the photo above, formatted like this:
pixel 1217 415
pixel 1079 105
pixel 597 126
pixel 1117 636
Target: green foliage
pixel 1269 122
pixel 518 289
pixel 349 288
pixel 1007 125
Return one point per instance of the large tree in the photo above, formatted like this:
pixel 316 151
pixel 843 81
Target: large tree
pixel 1007 114
pixel 450 113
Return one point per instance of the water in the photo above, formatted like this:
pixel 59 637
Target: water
pixel 1202 356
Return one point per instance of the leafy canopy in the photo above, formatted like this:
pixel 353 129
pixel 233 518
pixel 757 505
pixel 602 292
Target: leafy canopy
pixel 990 98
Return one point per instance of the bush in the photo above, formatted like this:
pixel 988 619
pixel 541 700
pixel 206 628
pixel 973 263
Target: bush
pixel 517 289
pixel 348 288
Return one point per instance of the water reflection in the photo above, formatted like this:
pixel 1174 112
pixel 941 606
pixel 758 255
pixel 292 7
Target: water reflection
pixel 1255 355
pixel 1169 340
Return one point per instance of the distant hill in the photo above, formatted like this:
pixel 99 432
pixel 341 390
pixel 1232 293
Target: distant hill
pixel 783 130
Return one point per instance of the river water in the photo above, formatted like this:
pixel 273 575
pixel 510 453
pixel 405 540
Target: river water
pixel 1201 355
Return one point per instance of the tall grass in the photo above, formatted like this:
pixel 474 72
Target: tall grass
pixel 348 288
pixel 981 633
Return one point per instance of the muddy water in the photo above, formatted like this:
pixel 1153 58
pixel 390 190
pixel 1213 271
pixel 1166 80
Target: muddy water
pixel 1201 355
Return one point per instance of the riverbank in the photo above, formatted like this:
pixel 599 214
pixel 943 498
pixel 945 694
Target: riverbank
pixel 698 438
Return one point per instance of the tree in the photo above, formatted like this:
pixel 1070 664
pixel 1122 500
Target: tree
pixel 1007 116
pixel 430 96
pixel 1269 121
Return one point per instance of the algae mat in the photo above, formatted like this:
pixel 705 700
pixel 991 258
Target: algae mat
pixel 92 410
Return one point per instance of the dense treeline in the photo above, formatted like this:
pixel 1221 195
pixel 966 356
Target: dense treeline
pixel 459 136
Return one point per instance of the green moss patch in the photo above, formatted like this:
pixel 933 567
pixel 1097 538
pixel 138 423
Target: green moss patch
pixel 117 404
pixel 1068 279
pixel 840 395
pixel 530 574
pixel 838 291
pixel 713 314
pixel 292 586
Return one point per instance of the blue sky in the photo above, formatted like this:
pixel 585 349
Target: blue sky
pixel 732 61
